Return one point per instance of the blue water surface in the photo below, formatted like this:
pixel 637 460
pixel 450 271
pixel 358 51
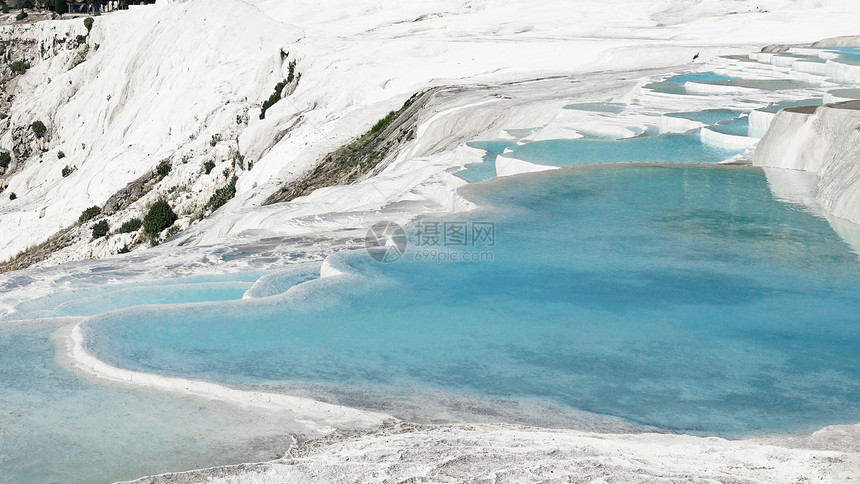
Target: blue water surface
pixel 56 427
pixel 847 55
pixel 108 297
pixel 613 108
pixel 775 107
pixel 708 116
pixel 671 147
pixel 486 169
pixel 734 127
pixel 679 296
pixel 675 84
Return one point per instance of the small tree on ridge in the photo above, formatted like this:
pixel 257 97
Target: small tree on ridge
pixel 39 129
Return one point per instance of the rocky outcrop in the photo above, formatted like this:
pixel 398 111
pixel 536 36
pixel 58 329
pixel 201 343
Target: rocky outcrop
pixel 367 155
pixel 31 44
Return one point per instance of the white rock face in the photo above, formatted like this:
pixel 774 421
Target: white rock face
pixel 510 453
pixel 675 124
pixel 162 82
pixel 511 166
pixel 726 141
pixel 166 78
pixel 825 142
pixel 760 121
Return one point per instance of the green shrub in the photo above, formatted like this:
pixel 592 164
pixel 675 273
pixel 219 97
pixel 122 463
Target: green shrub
pixel 12 196
pixel 90 213
pixel 382 123
pixel 274 98
pixel 88 23
pixel 238 159
pixel 291 75
pixel 61 7
pixel 222 195
pixel 100 229
pixel 171 232
pixel 60 155
pixel 216 138
pixel 132 225
pixel 21 16
pixel 125 249
pixel 5 8
pixel 163 168
pixel 19 66
pixel 5 159
pixel 81 39
pixel 67 170
pixel 39 128
pixel 160 217
pixel 208 166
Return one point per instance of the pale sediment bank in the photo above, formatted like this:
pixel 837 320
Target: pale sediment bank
pixel 318 417
pixel 402 452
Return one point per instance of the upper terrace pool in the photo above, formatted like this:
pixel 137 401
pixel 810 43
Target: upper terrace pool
pixel 681 297
pixel 675 84
pixel 671 147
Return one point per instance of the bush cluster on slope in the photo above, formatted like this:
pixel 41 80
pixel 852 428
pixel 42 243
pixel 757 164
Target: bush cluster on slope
pixel 291 75
pixel 274 98
pixel 90 213
pixel 132 225
pixel 382 123
pixel 163 168
pixel 19 66
pixel 222 195
pixel 39 128
pixel 160 217
pixel 100 229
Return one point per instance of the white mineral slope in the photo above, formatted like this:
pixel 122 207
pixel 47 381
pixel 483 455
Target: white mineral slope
pixel 826 143
pixel 507 453
pixel 164 79
pixel 392 49
pixel 167 78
